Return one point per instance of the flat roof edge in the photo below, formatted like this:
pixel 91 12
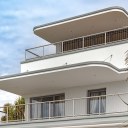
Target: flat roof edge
pixel 66 66
pixel 75 17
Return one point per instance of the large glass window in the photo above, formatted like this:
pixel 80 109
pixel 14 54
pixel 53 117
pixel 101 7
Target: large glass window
pixel 48 106
pixel 96 101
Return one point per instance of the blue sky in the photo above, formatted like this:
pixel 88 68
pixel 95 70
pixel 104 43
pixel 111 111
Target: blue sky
pixel 18 17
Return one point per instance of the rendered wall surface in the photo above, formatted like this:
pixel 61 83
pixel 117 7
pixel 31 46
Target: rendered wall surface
pixel 112 102
pixel 113 54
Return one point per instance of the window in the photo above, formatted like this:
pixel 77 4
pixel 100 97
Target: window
pixel 46 108
pixel 97 101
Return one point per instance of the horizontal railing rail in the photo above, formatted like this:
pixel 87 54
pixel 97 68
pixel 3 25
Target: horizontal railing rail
pixel 75 107
pixel 102 38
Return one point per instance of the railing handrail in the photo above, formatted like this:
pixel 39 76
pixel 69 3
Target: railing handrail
pixel 82 98
pixel 117 94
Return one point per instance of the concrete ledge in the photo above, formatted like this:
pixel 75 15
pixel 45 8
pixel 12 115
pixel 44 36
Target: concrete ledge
pixel 71 121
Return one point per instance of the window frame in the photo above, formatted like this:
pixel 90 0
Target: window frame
pixel 89 95
pixel 45 96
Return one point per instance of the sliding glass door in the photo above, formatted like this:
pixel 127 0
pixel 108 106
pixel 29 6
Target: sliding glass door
pixel 96 101
pixel 58 106
pixel 48 106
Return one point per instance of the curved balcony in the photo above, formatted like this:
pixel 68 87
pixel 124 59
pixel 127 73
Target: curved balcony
pixel 93 106
pixel 80 43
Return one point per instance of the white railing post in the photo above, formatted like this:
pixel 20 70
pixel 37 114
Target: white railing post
pixel 105 38
pixel 49 110
pixel 7 114
pixel 99 104
pixel 73 109
pixel 83 42
pixel 27 112
pixel 62 46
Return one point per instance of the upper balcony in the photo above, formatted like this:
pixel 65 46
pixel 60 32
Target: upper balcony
pixel 96 28
pixel 76 44
pixel 88 36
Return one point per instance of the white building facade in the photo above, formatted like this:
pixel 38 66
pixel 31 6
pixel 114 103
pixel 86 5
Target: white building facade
pixel 80 79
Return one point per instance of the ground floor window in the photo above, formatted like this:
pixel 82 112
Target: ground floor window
pixel 48 106
pixel 97 101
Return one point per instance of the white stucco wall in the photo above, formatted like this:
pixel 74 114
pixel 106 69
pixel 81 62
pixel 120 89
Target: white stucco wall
pixel 112 54
pixel 113 103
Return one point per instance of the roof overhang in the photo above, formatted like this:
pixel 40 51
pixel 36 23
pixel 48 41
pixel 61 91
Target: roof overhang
pixel 37 82
pixel 94 22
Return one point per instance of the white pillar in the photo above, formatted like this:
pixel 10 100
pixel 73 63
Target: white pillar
pixel 27 109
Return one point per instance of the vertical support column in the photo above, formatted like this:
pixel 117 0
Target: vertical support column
pixel 99 104
pixel 49 109
pixel 73 109
pixel 62 46
pixel 105 38
pixel 27 112
pixel 83 42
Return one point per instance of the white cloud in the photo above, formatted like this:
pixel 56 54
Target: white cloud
pixel 6 97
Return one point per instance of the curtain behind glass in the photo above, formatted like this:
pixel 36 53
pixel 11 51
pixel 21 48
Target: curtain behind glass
pixel 97 104
pixel 94 103
pixel 59 106
pixel 53 102
pixel 36 108
pixel 45 107
pixel 103 102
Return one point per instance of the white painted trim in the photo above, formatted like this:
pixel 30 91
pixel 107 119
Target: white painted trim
pixel 75 19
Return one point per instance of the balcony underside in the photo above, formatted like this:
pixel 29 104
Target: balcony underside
pixel 62 77
pixel 96 22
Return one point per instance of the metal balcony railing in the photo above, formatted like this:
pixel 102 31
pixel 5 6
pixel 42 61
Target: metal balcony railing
pixel 76 107
pixel 77 43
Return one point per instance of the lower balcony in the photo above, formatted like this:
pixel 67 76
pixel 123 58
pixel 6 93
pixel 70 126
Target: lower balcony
pixel 95 106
